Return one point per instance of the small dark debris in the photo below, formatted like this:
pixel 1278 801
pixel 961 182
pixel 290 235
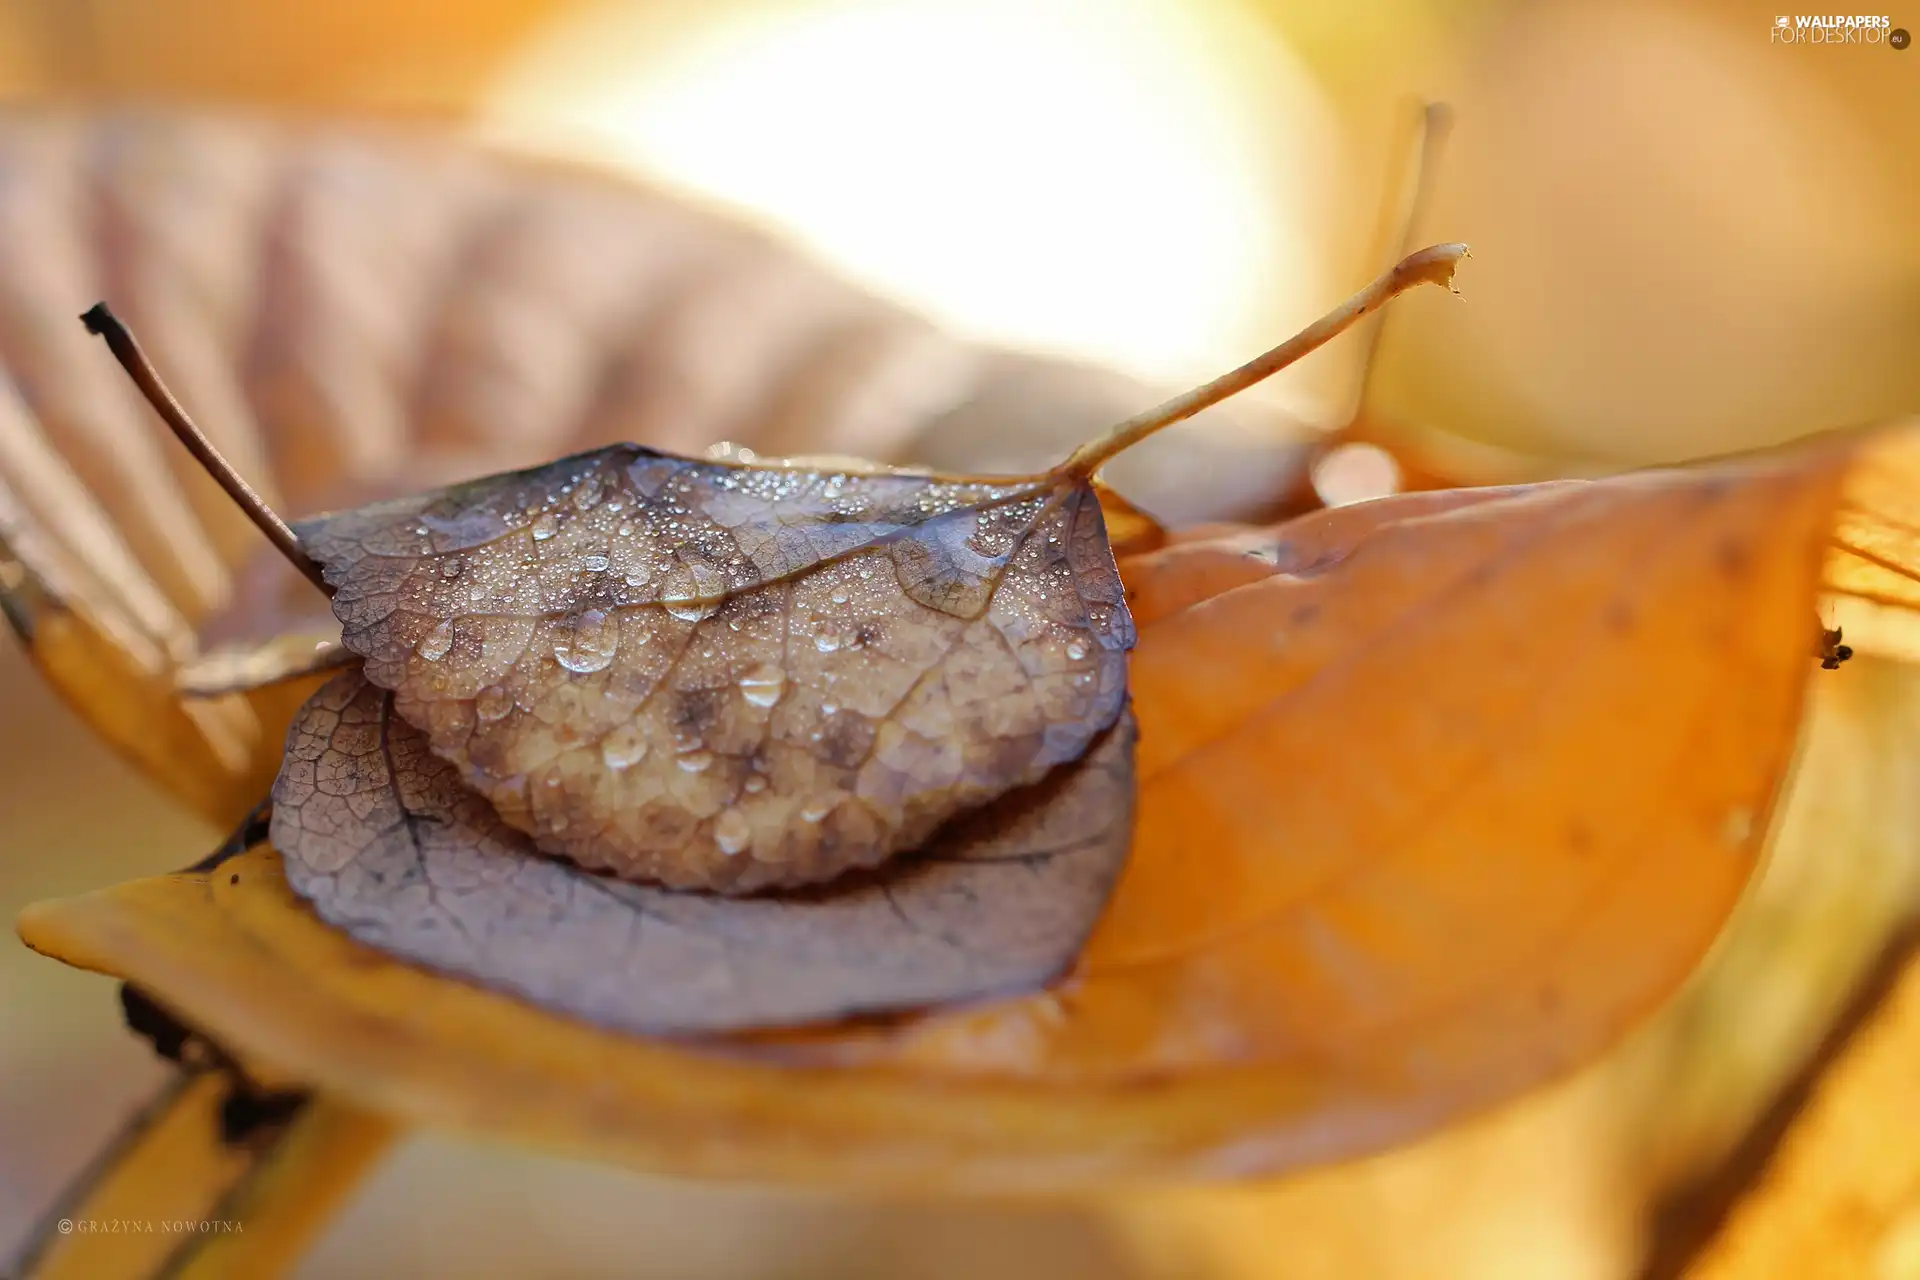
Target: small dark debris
pixel 153 1024
pixel 251 831
pixel 1831 652
pixel 245 1112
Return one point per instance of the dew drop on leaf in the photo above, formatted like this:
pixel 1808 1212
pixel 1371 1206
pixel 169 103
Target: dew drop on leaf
pixel 493 703
pixel 731 832
pixel 763 685
pixel 586 643
pixel 624 747
pixel 437 642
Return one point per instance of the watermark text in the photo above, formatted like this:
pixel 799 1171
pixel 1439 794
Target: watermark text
pixel 1839 29
pixel 151 1226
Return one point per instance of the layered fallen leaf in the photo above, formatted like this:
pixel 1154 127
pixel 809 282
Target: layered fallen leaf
pixel 735 677
pixel 403 857
pixel 1435 796
pixel 1431 807
pixel 722 676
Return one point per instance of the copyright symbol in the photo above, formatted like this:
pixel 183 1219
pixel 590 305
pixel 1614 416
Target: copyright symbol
pixel 66 1226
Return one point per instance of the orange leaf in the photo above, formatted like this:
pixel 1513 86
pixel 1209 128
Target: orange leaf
pixel 1445 809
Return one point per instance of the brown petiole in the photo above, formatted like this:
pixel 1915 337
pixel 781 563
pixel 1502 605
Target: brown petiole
pixel 1432 265
pixel 100 320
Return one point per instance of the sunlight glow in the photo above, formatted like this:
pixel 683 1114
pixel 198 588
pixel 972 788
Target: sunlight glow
pixel 1122 180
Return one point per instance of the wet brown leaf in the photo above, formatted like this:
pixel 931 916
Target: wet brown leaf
pixel 719 676
pixel 384 841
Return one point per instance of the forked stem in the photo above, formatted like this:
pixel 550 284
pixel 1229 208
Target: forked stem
pixel 100 320
pixel 1432 265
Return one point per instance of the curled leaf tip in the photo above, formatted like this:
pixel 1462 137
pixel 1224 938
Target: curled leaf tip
pixel 1432 265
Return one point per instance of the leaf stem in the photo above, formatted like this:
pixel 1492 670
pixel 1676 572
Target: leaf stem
pixel 1432 265
pixel 1409 195
pixel 100 320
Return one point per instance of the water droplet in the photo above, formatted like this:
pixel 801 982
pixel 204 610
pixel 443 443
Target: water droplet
pixel 839 595
pixel 586 642
pixel 452 567
pixel 543 527
pixel 695 761
pixel 625 530
pixel 1076 651
pixel 437 642
pixel 638 576
pixel 623 747
pixel 817 809
pixel 478 593
pixel 829 708
pixel 493 703
pixel 689 608
pixel 754 784
pixel 763 685
pixel 826 642
pixel 731 832
pixel 594 564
